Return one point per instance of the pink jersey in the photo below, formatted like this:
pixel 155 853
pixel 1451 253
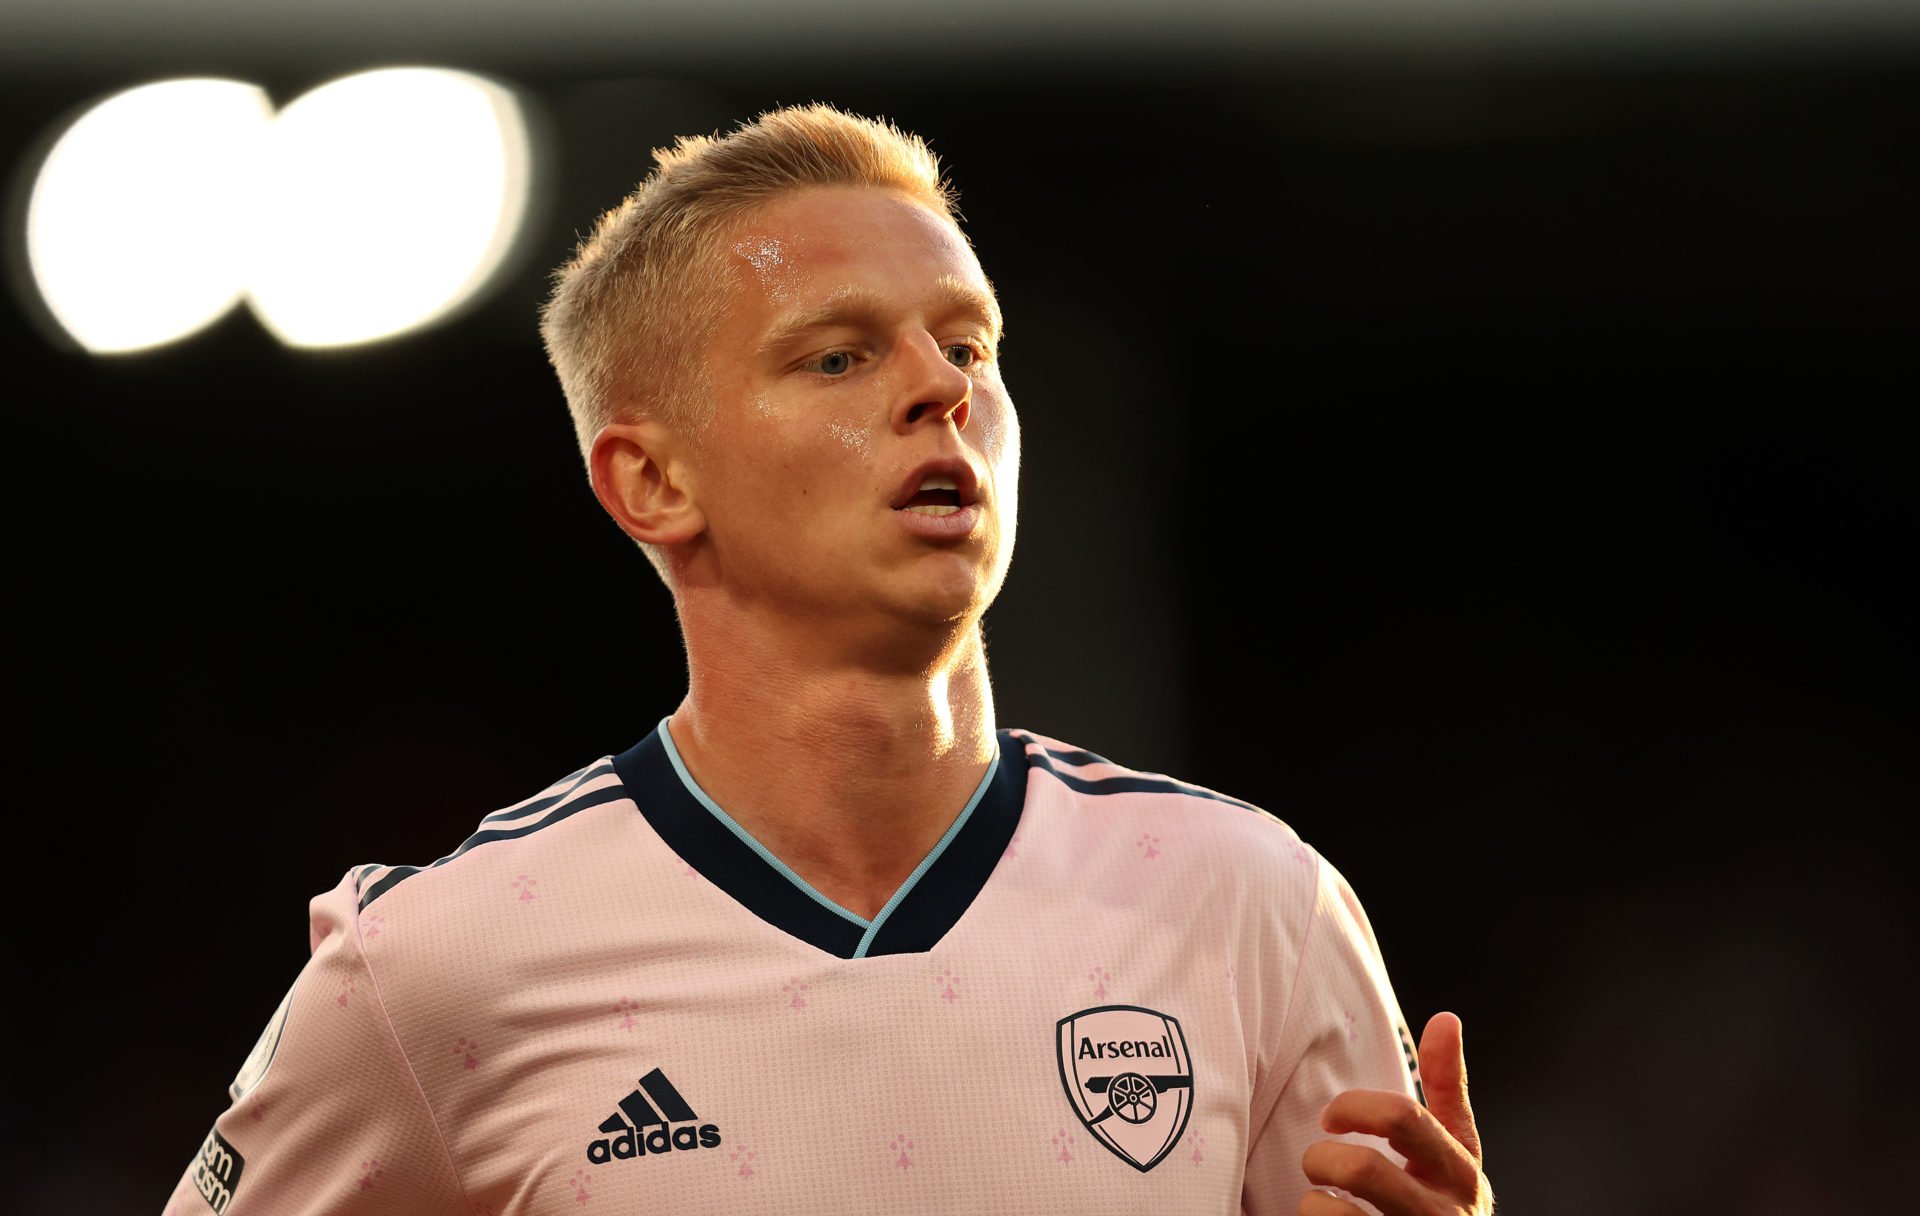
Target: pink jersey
pixel 1103 991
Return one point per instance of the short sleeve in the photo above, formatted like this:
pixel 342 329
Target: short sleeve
pixel 1342 1030
pixel 326 1115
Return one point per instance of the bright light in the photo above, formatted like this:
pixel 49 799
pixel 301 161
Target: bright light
pixel 135 222
pixel 395 196
pixel 370 206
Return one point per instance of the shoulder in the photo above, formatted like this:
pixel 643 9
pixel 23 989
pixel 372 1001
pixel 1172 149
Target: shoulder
pixel 543 825
pixel 520 890
pixel 1229 828
pixel 1221 868
pixel 1089 776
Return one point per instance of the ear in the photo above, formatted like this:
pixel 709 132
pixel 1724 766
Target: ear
pixel 641 477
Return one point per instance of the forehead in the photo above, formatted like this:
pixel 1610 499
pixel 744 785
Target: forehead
pixel 805 246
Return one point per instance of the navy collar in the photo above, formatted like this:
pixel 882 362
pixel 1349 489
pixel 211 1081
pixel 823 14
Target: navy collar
pixel 917 917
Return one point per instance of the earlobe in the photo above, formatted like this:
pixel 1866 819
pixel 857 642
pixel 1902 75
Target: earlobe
pixel 641 482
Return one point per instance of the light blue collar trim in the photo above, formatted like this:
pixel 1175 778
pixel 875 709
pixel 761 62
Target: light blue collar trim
pixel 872 927
pixel 926 863
pixel 746 837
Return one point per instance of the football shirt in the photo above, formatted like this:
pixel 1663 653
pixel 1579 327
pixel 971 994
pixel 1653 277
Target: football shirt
pixel 1102 991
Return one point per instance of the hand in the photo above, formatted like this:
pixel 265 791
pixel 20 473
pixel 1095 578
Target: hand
pixel 1442 1147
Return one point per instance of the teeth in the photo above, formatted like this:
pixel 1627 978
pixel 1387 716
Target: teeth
pixel 938 482
pixel 940 509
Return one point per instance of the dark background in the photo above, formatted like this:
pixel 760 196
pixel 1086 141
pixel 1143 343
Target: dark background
pixel 1498 465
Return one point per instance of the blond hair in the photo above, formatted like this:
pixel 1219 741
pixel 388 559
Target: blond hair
pixel 632 313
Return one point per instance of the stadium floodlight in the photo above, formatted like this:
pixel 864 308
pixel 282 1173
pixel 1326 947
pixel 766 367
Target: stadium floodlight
pixel 396 194
pixel 135 220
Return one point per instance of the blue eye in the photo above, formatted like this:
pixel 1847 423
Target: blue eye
pixel 825 363
pixel 972 354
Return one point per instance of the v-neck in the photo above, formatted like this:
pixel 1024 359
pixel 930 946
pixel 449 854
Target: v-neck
pixel 927 904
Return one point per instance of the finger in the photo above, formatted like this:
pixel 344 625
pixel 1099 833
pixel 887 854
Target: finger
pixel 1326 1203
pixel 1443 1077
pixel 1368 1174
pixel 1433 1155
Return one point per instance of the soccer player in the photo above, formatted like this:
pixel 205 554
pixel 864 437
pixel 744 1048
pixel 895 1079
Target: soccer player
pixel 828 939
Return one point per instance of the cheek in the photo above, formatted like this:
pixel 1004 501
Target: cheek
pixel 785 422
pixel 808 456
pixel 856 425
pixel 854 439
pixel 997 429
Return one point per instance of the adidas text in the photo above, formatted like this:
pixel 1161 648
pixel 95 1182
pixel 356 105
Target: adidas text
pixel 630 1143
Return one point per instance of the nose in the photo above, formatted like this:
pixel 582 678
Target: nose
pixel 938 390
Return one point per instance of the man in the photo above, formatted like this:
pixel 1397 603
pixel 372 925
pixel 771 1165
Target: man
pixel 828 940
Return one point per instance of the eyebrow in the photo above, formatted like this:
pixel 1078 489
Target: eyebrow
pixel 853 303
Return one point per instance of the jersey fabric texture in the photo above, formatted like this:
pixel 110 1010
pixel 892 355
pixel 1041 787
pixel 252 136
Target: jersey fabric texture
pixel 1103 991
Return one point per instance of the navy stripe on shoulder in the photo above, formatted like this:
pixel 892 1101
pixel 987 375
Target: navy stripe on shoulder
pixel 566 809
pixel 1075 755
pixel 1133 783
pixel 540 804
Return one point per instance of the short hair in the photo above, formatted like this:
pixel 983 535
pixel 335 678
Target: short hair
pixel 631 314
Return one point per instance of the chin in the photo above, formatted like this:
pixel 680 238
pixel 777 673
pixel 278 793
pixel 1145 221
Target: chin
pixel 944 603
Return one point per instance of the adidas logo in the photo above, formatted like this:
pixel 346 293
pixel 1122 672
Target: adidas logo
pixel 624 1138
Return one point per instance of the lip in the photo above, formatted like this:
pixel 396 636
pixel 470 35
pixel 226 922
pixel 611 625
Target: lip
pixel 961 523
pixel 964 478
pixel 956 526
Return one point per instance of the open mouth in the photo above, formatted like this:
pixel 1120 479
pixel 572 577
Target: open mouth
pixel 936 496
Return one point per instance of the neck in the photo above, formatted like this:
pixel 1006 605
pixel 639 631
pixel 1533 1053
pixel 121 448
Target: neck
pixel 849 772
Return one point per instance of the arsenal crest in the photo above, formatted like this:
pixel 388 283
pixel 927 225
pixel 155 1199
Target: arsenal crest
pixel 1129 1078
